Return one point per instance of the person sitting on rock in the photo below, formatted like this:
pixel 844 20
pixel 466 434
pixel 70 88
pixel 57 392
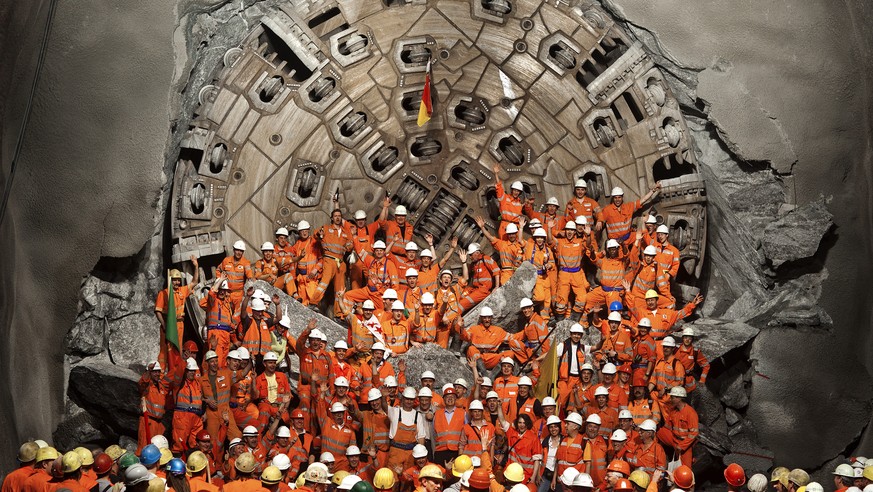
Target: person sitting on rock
pixel 509 250
pixel 398 232
pixel 236 269
pixel 613 266
pixel 335 241
pixel 365 329
pixel 307 254
pixel 484 277
pixel 662 319
pixel 407 261
pixel 266 268
pixel 388 298
pixel 647 275
pixel 381 274
pixel 486 339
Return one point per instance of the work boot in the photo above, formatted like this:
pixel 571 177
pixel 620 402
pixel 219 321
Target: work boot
pixel 480 366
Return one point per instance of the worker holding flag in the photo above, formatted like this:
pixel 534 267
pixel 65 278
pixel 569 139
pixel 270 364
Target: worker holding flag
pixel 171 316
pixel 425 110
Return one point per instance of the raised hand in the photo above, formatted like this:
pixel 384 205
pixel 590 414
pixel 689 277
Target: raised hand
pixel 480 221
pixel 462 255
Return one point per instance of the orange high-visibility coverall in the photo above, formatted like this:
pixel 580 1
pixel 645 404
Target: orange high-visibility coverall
pixel 585 207
pixel 477 440
pixel 692 357
pixel 619 342
pixel 156 398
pixel 680 432
pixel 646 408
pixel 376 427
pixel 218 387
pixel 427 329
pixel 403 263
pixel 571 276
pixel 570 360
pixel 510 256
pixel 506 387
pixel 309 269
pixel 336 241
pixel 482 283
pixel 618 222
pixel 396 237
pixel 428 277
pixel 569 454
pixel 668 259
pixel 596 450
pixel 644 353
pixel 237 273
pixel 510 209
pixel 221 317
pixel 362 244
pixel 532 340
pixel 612 272
pixel 186 417
pixel 486 342
pixel 526 450
pixel 396 336
pixel 268 271
pixel 161 306
pixel 266 407
pixel 244 412
pixel 649 277
pixel 608 418
pixel 450 297
pixel 544 261
pixel 314 369
pixel 662 319
pixel 14 481
pixel 650 458
pixel 334 438
pixel 381 275
pixel 285 276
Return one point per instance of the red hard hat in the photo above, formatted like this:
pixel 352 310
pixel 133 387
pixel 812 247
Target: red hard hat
pixel 297 414
pixel 626 368
pixel 190 346
pixel 683 477
pixel 734 475
pixel 480 479
pixel 623 484
pixel 619 466
pixel 203 436
pixel 639 380
pixel 102 463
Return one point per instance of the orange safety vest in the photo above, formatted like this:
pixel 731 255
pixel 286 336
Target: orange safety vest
pixel 587 208
pixel 335 439
pixel 447 433
pixel 483 273
pixel 569 453
pixel 427 278
pixel 256 338
pixel 381 274
pixel 668 373
pixel 219 314
pixel 156 398
pixel 612 272
pixel 478 438
pixel 427 331
pixel 644 409
pixel 396 238
pixel 539 257
pixel 486 339
pixel 618 221
pixel 568 255
pixel 336 240
pixel 264 267
pixel 396 336
pixel 523 449
pixel 179 296
pixel 506 387
pixel 283 387
pixel 282 255
pixel 509 253
pixel 223 383
pixel 311 255
pixel 598 448
pixel 189 398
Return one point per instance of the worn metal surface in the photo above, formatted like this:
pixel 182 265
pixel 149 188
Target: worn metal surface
pixel 322 98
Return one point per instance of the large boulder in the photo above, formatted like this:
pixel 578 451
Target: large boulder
pixel 797 235
pixel 504 299
pixel 108 392
pixel 715 337
pixel 446 365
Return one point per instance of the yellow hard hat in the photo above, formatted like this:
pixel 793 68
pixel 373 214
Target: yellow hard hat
pixel 461 464
pixel 514 473
pixel 245 463
pixel 384 479
pixel 651 294
pixel 27 452
pixel 778 474
pixel 48 453
pixel 85 455
pixel 273 475
pixel 197 462
pixel 640 478
pixel 71 462
pixel 339 476
pixel 157 485
pixel 868 473
pixel 175 273
pixel 301 481
pixel 166 456
pixel 798 477
pixel 433 472
pixel 115 451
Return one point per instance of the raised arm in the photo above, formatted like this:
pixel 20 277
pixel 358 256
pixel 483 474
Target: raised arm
pixel 453 245
pixel 480 221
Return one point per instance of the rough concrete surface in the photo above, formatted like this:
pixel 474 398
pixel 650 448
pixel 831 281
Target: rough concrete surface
pixel 785 85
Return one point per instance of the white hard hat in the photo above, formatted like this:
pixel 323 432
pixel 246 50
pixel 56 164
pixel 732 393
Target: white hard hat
pixel 249 431
pixel 258 305
pixel 511 228
pixel 612 243
pixel 625 414
pixel 553 419
pixel 581 183
pixel 577 328
pixel 651 219
pixel 507 360
pixel 281 461
pixel 160 441
pixel 240 245
pixel 191 364
pixel 618 435
pixel 491 394
pixel 678 391
pixel 552 201
pixel 283 431
pixel 281 231
pixel 360 215
pixel 816 487
pixel 568 476
pixel 389 294
pixel 583 480
pixel 425 392
pixel 447 386
pixel 340 345
pixel 688 332
pixel 549 402
pixel 303 225
pixel 374 394
pixel 341 382
pixel 353 450
pixel 348 482
pixel 462 382
pixel 486 311
pixel 476 405
pixel 645 322
pixel 601 391
pixel 650 250
pixel 617 191
pixel 860 462
pixel 155 366
pixel 609 368
pixel 427 298
pixel 649 425
pixel 540 233
pixel 663 229
pixel 316 333
pixel 465 478
pixel 472 248
pixel 411 246
pixel 587 367
pixel 580 220
pixel 427 375
pixel 419 451
pixel 368 304
pixel 534 223
pixel 477 462
pixel 447 272
pixel 397 306
pixel 224 285
pixel 575 418
pixel 524 381
pixel 525 302
pixel 337 407
pixel 486 381
pixel 425 253
pixel 570 225
pixel 593 419
pixel 400 210
pixel 267 246
pixel 327 456
pixel 243 353
pixel 409 392
pixel 516 185
pixel 378 346
pixel 669 342
pixel 210 354
pixel 411 272
pixel 614 316
pixel 379 245
pixel 271 356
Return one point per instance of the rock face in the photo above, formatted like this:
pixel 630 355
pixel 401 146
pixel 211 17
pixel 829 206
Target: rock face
pixel 504 300
pixel 446 365
pixel 797 235
pixel 109 393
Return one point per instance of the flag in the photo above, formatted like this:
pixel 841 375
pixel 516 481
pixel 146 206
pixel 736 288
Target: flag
pixel 547 384
pixel 172 333
pixel 425 110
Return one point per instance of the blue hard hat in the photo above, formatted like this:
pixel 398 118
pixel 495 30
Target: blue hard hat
pixel 615 306
pixel 150 455
pixel 176 466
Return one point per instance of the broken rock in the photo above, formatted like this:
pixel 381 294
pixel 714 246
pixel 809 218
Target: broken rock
pixel 108 392
pixel 446 365
pixel 716 337
pixel 504 300
pixel 797 235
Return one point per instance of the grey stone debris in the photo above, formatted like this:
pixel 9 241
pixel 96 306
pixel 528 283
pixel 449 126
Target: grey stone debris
pixel 716 337
pixel 78 426
pixel 504 300
pixel 797 235
pixel 446 365
pixel 735 394
pixel 108 392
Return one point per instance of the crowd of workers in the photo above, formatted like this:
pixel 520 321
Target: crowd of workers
pixel 618 420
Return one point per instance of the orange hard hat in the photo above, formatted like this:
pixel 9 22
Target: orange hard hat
pixel 190 346
pixel 734 475
pixel 623 484
pixel 480 479
pixel 297 414
pixel 639 380
pixel 619 466
pixel 683 477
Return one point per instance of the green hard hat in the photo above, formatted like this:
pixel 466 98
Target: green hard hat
pixel 126 460
pixel 362 486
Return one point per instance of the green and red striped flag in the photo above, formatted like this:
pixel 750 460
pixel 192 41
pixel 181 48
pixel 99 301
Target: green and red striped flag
pixel 172 333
